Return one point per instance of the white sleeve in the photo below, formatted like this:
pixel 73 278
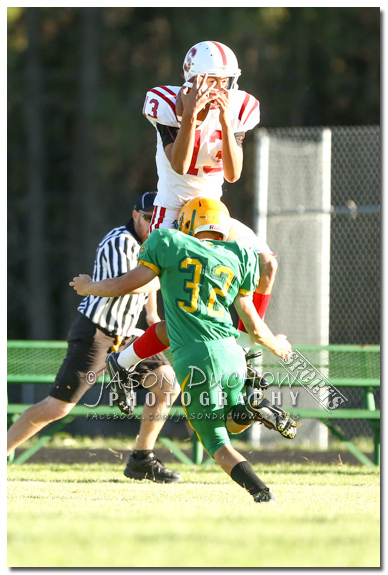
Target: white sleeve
pixel 241 233
pixel 245 111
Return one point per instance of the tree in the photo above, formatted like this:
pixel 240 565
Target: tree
pixel 79 149
pixel 38 302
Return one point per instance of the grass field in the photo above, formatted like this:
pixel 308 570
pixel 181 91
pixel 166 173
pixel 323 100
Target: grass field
pixel 92 516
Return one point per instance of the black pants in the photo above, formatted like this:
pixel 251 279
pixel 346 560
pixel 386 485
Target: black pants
pixel 87 349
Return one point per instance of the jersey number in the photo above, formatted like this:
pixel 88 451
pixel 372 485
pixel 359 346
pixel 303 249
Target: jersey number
pixel 222 292
pixel 193 171
pixel 154 110
pixel 194 286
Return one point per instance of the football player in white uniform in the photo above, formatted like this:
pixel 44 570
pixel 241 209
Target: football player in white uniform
pixel 200 129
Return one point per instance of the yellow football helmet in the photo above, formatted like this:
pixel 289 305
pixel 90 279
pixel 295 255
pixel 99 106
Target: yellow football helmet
pixel 203 214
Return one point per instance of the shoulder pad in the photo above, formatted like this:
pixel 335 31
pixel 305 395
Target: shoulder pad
pixel 159 105
pixel 245 110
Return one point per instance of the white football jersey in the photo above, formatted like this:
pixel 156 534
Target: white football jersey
pixel 206 174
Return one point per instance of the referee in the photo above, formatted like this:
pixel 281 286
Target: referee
pixel 105 325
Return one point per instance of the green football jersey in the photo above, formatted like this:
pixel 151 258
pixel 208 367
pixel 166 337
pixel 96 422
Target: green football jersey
pixel 199 281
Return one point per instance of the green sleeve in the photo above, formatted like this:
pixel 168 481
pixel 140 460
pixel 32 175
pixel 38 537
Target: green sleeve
pixel 251 271
pixel 151 252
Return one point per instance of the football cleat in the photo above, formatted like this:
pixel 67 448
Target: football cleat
pixel 253 355
pixel 150 468
pixel 270 415
pixel 121 384
pixel 264 496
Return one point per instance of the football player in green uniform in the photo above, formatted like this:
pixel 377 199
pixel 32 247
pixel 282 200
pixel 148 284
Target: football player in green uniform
pixel 200 276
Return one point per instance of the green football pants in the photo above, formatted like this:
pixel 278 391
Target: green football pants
pixel 211 375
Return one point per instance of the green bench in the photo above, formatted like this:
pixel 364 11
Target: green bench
pixel 37 362
pixel 352 366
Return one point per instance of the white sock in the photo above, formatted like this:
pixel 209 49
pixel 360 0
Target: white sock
pixel 256 362
pixel 244 339
pixel 128 358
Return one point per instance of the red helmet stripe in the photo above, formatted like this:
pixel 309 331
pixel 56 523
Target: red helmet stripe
pixel 223 55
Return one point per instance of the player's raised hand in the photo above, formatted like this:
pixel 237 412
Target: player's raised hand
pixel 82 284
pixel 222 100
pixel 195 97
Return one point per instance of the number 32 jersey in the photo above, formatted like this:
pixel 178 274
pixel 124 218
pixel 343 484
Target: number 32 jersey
pixel 205 176
pixel 199 281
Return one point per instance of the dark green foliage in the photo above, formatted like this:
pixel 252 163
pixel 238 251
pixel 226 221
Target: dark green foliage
pixel 307 66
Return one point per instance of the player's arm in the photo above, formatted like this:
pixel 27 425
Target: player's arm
pixel 180 152
pixel 258 330
pixel 194 100
pixel 232 152
pixel 151 287
pixel 120 264
pixel 138 278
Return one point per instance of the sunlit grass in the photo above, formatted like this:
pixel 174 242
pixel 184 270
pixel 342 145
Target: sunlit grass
pixel 92 516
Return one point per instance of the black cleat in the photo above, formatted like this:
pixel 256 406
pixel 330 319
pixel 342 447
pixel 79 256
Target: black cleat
pixel 270 415
pixel 150 468
pixel 121 384
pixel 264 496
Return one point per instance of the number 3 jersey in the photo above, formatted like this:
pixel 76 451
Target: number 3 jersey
pixel 199 281
pixel 205 175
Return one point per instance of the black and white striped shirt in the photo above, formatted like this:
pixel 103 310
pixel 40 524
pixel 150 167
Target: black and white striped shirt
pixel 116 254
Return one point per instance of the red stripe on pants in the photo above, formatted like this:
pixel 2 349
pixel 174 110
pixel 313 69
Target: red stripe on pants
pixel 162 213
pixel 157 218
